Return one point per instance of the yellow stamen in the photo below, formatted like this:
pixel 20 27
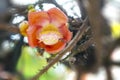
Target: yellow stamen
pixel 49 27
pixel 49 35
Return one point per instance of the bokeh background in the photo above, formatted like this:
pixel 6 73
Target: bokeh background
pixel 20 62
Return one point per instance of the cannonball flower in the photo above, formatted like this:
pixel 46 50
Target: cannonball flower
pixel 48 30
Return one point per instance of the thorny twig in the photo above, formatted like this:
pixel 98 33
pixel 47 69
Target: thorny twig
pixel 67 49
pixel 83 46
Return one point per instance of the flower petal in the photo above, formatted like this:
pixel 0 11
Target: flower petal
pixel 67 35
pixel 31 34
pixel 52 49
pixel 40 18
pixel 42 45
pixel 57 17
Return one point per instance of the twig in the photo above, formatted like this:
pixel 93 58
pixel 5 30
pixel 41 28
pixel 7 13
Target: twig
pixel 82 9
pixel 109 75
pixel 63 52
pixel 9 28
pixel 79 48
pixel 84 46
pixel 115 63
pixel 57 5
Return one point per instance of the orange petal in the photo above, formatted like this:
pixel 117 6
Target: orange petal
pixel 67 35
pixel 31 34
pixel 55 48
pixel 42 45
pixel 57 17
pixel 40 18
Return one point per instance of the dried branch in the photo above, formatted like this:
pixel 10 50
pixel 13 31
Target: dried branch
pixel 67 49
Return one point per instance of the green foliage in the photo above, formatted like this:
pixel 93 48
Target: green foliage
pixel 30 64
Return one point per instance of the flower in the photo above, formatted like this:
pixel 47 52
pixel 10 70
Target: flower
pixel 48 30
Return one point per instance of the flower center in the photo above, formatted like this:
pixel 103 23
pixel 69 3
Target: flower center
pixel 49 35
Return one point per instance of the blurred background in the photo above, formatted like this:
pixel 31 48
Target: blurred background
pixel 20 62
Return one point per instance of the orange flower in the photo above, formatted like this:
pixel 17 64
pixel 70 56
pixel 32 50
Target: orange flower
pixel 48 30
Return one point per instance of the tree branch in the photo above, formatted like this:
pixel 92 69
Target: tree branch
pixel 99 27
